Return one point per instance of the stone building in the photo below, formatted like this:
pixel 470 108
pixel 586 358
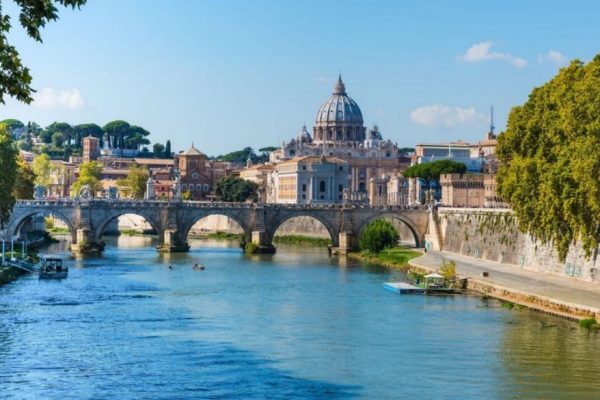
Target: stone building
pixel 462 190
pixel 339 132
pixel 258 174
pixel 195 178
pixel 91 149
pixel 308 180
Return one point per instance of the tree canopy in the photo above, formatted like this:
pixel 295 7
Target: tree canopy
pixel 42 168
pixel 378 235
pixel 23 188
pixel 15 78
pixel 430 172
pixel 89 174
pixel 135 184
pixel 8 167
pixel 236 189
pixel 550 159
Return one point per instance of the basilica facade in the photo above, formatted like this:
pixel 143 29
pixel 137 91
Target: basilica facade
pixel 339 132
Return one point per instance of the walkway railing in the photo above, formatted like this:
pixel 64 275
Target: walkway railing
pixel 22 265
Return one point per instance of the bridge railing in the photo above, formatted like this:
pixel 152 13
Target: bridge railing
pixel 129 203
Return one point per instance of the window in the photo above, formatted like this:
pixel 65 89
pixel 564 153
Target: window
pixel 304 168
pixel 388 154
pixel 206 188
pixel 304 187
pixel 340 188
pixel 303 197
pixel 191 187
pixel 322 187
pixel 292 152
pixel 199 187
pixel 184 187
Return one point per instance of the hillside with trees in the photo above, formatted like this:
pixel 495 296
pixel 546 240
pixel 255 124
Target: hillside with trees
pixel 60 140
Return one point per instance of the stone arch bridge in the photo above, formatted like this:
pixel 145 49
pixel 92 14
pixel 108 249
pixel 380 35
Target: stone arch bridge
pixel 173 220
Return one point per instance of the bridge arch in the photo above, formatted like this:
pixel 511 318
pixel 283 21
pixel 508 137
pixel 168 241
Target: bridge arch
pixel 195 217
pixel 417 235
pixel 102 224
pixel 17 223
pixel 277 223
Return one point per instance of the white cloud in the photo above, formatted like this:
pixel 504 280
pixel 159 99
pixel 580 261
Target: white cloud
pixel 553 56
pixel 482 52
pixel 324 79
pixel 49 99
pixel 440 115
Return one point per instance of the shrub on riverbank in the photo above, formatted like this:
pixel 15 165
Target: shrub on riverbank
pixel 397 257
pixel 448 269
pixel 589 324
pixel 251 248
pixel 378 235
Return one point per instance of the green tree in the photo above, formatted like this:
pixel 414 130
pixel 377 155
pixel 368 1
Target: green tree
pixel 8 175
pixel 12 125
pixel 84 130
pixel 23 188
pixel 430 173
pixel 60 127
pixel 58 139
pixel 234 189
pixel 15 79
pixel 378 235
pixel 550 159
pixel 240 156
pixel 135 182
pixel 42 168
pixel 117 131
pixel 25 143
pixel 158 149
pixel 168 153
pixel 90 174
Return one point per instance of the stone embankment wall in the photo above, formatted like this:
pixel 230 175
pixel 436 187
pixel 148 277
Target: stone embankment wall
pixel 493 235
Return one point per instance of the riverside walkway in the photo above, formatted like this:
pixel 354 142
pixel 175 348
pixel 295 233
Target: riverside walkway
pixel 546 292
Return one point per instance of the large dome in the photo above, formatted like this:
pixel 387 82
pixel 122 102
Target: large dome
pixel 340 108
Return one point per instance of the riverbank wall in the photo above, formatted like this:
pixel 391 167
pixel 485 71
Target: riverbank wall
pixel 492 234
pixel 536 302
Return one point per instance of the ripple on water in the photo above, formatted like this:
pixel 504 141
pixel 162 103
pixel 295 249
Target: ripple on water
pixel 295 325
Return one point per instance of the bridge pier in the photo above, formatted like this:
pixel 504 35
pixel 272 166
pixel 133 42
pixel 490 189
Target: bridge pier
pixel 346 244
pixel 172 242
pixel 85 243
pixel 262 240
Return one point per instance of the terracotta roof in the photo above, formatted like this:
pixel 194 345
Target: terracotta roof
pixel 154 161
pixel 192 152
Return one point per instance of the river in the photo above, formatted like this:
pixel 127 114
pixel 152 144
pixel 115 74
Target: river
pixel 297 324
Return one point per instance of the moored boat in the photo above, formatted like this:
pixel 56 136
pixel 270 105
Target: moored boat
pixel 53 268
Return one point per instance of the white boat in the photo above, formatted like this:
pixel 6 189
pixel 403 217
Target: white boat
pixel 53 268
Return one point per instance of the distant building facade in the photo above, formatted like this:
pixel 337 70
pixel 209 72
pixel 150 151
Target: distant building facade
pixel 309 180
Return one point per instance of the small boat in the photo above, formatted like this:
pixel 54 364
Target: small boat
pixel 198 267
pixel 431 285
pixel 53 268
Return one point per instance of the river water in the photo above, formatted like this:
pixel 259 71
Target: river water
pixel 294 325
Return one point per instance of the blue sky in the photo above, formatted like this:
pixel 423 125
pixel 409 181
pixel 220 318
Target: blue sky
pixel 227 74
